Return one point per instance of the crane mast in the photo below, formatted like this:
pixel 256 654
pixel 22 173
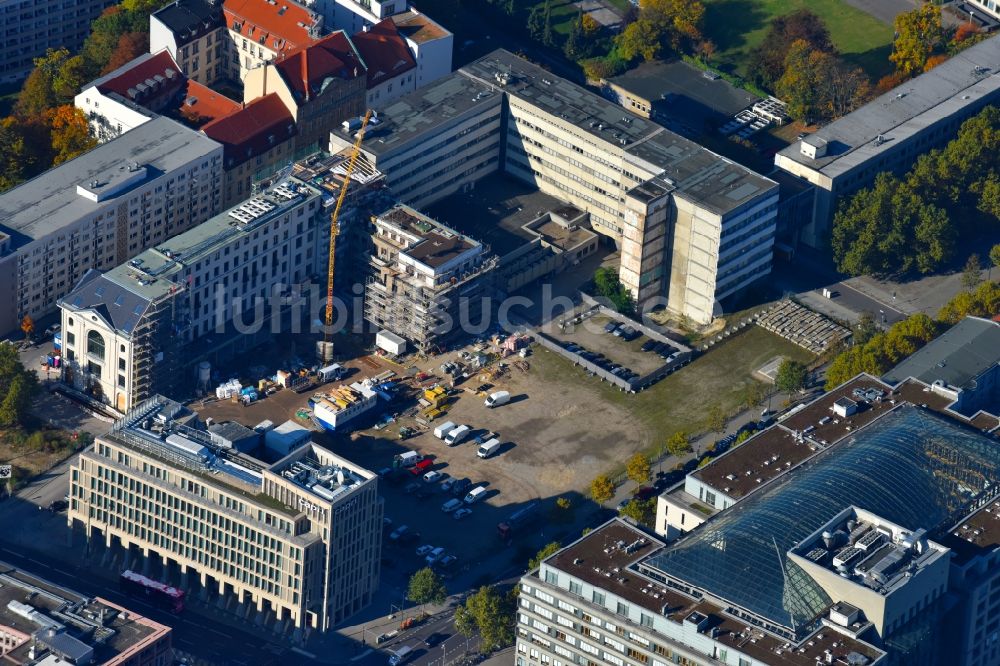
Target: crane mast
pixel 325 348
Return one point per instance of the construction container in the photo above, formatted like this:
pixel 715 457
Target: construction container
pixel 390 342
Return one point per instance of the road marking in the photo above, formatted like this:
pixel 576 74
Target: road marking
pixel 65 573
pixel 41 564
pixel 297 650
pixel 360 656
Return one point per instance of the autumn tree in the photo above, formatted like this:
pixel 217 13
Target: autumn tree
pixel 638 468
pixel 426 587
pixel 918 35
pixel 639 39
pixel 791 376
pixel 130 46
pixel 972 274
pixel 491 614
pixel 984 301
pixel 641 511
pixel 994 258
pixel 28 326
pixel 549 549
pixel 715 420
pixel 678 444
pixel 673 24
pixel 767 61
pixel 817 85
pixel 70 133
pixel 883 351
pixel 601 489
pixel 865 329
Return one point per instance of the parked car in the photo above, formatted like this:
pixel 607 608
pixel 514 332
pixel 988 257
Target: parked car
pixel 610 326
pixel 462 513
pixel 451 505
pixel 460 487
pixel 434 639
pixel 447 484
pixel 644 493
pixel 433 476
pixel 424 492
pixel 397 533
pixel 58 505
pixel 447 562
pixel 409 538
pixel 424 549
pixel 648 345
pixel 411 487
pixel 434 555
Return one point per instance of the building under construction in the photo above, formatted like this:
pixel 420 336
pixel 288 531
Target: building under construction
pixel 428 282
pixel 144 326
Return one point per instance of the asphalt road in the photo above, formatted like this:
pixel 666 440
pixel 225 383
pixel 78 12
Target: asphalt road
pixel 850 297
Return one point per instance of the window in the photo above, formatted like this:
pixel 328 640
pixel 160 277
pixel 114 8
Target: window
pixel 646 620
pixel 575 588
pixel 121 381
pixel 598 598
pixel 70 338
pixel 95 344
pixel 121 364
pixel 622 609
pixel 551 578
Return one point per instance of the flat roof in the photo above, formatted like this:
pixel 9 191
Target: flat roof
pixel 968 77
pixel 677 83
pixel 122 630
pixel 436 244
pixel 418 27
pixel 190 19
pixel 699 175
pixel 49 202
pixel 975 535
pixel 958 356
pixel 613 548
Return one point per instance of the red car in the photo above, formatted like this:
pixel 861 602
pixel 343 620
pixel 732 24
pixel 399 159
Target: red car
pixel 421 467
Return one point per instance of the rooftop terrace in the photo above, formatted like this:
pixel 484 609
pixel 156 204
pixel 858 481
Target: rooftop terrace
pixel 433 244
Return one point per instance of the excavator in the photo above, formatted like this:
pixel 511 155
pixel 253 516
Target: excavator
pixel 324 348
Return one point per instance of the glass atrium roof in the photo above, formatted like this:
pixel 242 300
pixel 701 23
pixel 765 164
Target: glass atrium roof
pixel 912 467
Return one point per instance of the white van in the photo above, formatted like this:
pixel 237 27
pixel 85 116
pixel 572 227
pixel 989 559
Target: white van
pixel 488 448
pixel 498 398
pixel 475 495
pixel 408 459
pixel 457 435
pixel 442 430
pixel 451 505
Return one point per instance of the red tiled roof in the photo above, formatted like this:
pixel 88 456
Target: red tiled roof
pixel 201 105
pixel 146 79
pixel 253 130
pixel 384 52
pixel 306 68
pixel 283 25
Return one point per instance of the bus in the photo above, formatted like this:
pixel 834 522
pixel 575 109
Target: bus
pixel 156 593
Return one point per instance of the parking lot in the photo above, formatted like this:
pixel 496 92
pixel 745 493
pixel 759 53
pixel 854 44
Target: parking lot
pixel 593 336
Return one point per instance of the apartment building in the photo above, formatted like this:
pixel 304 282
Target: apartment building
pixel 128 333
pixel 149 86
pixel 193 32
pixel 389 65
pixel 31 27
pixel 260 137
pixel 428 279
pixel 431 44
pixel 261 31
pixel 298 540
pixel 101 209
pixel 356 16
pixel 890 132
pixel 43 624
pixel 322 85
pixel 694 228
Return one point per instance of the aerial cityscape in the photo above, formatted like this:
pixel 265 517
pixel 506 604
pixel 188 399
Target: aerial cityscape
pixel 513 332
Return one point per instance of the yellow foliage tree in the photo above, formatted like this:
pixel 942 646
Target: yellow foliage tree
pixel 70 133
pixel 919 33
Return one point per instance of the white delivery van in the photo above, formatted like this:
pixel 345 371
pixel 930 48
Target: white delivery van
pixel 400 655
pixel 330 373
pixel 443 429
pixel 408 459
pixel 475 495
pixel 498 398
pixel 488 448
pixel 457 435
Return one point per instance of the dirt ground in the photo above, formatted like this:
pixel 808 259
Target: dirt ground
pixel 591 336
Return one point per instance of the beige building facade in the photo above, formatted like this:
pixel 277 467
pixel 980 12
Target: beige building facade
pixel 299 539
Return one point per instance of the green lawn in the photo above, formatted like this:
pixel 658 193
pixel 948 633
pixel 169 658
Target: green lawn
pixel 736 26
pixel 680 401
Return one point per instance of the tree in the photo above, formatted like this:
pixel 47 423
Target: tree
pixel 865 329
pixel 574 48
pixel 972 274
pixel 798 85
pixel 918 35
pixel 536 22
pixel 678 444
pixel 638 468
pixel 28 326
pixel 983 302
pixel 677 21
pixel 426 587
pixel 753 394
pixel 70 133
pixel 590 26
pixel 489 613
pixel 601 489
pixel 705 50
pixel 130 46
pixel 641 511
pixel 884 350
pixel 548 36
pixel 767 61
pixel 743 436
pixel 791 376
pixel 641 38
pixel 716 419
pixel 549 549
pixel 934 61
pixel 994 258
pixel 14 402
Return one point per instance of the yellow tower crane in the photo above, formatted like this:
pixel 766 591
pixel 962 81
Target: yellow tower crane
pixel 325 348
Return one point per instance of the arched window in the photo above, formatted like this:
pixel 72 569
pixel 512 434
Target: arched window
pixel 95 344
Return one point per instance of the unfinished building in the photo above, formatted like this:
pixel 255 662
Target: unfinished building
pixel 428 282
